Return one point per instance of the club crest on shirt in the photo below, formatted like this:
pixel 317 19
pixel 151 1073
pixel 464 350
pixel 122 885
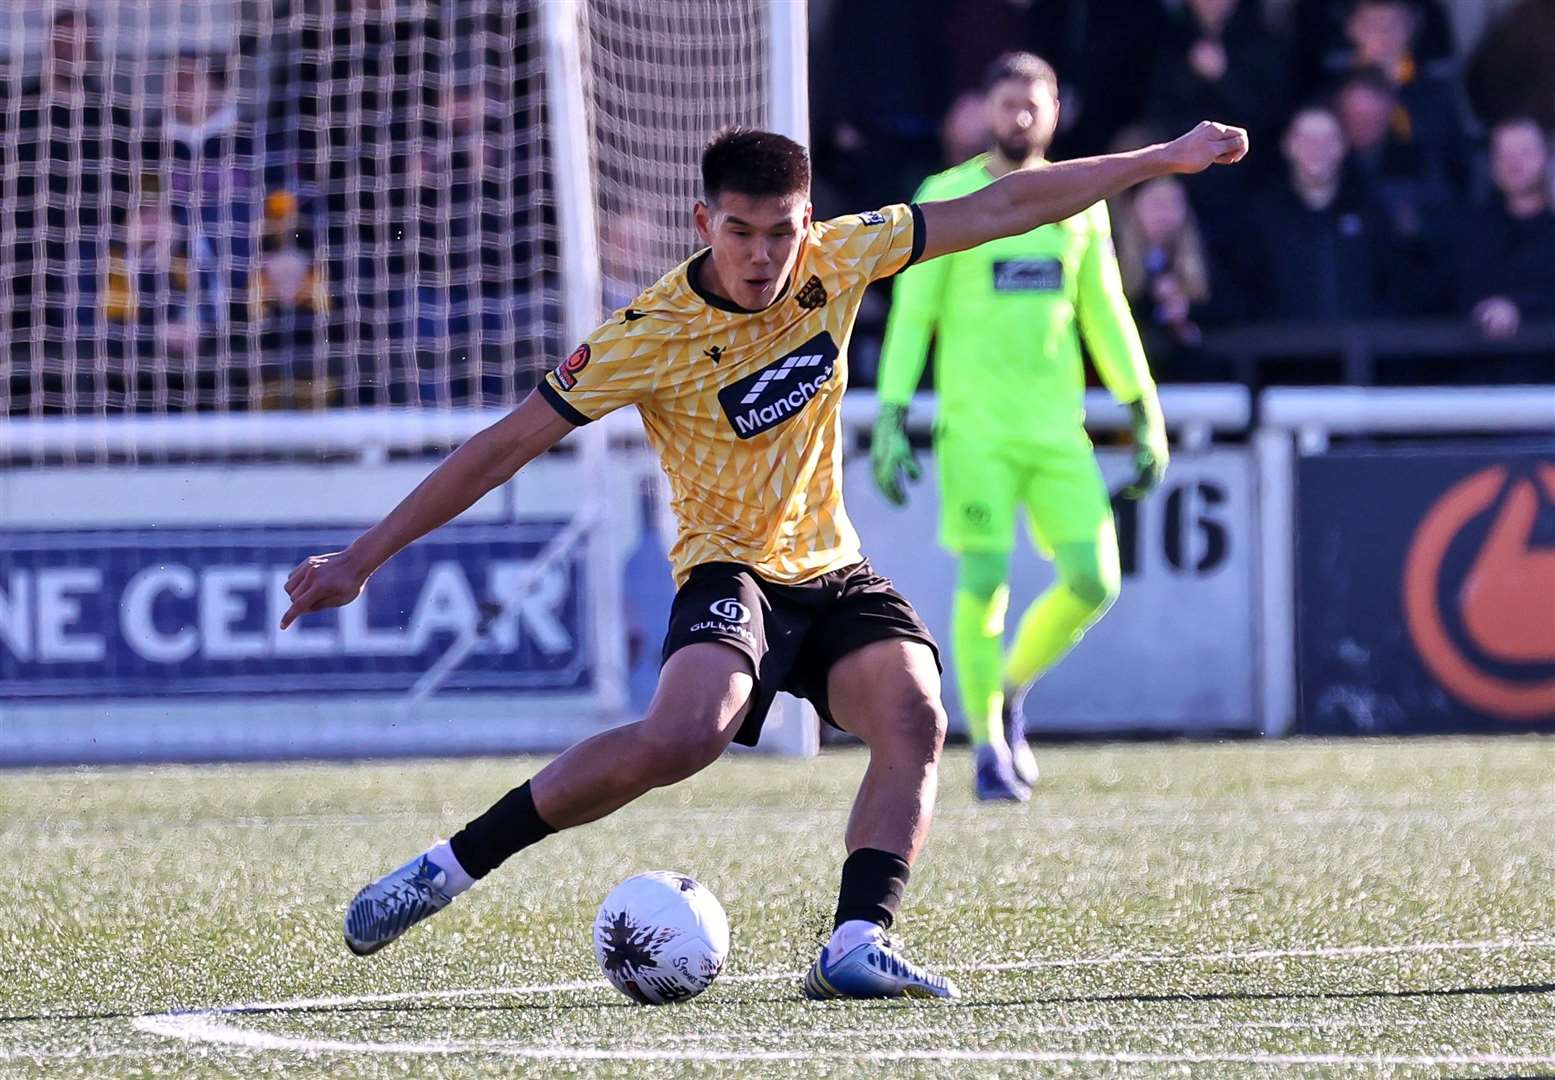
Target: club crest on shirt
pixel 779 391
pixel 567 370
pixel 812 295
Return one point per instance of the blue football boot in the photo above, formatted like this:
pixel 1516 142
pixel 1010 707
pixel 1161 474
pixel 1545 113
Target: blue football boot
pixel 1022 760
pixel 874 969
pixel 996 779
pixel 394 903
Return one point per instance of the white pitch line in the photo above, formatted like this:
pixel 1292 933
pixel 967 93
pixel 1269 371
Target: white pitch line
pixel 203 1026
pixel 1337 951
pixel 203 1030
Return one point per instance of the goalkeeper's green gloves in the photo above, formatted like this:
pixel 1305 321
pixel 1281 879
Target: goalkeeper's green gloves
pixel 1150 450
pixel 891 454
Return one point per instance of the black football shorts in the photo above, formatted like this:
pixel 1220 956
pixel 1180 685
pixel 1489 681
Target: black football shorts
pixel 793 634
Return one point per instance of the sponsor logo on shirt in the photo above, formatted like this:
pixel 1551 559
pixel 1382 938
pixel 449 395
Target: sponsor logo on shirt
pixel 567 370
pixel 871 217
pixel 1028 275
pixel 761 401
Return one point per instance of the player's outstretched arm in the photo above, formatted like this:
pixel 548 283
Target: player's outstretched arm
pixel 488 459
pixel 1024 199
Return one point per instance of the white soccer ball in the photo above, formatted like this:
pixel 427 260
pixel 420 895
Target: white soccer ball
pixel 661 937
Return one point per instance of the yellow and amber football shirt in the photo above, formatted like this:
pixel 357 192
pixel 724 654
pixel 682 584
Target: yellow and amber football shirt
pixel 744 407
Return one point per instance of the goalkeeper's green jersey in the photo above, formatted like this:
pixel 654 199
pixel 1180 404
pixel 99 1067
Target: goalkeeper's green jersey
pixel 1008 366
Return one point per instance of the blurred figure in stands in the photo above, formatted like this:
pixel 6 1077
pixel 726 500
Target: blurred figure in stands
pixel 1412 185
pixel 1219 60
pixel 1320 246
pixel 1430 112
pixel 209 155
pixel 1166 274
pixel 146 291
pixel 1505 260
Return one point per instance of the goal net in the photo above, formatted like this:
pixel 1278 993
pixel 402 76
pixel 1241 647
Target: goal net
pixel 266 262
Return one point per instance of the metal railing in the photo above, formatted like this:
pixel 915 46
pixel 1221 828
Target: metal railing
pixel 1359 347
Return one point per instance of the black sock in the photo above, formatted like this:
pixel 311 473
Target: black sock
pixel 511 825
pixel 872 884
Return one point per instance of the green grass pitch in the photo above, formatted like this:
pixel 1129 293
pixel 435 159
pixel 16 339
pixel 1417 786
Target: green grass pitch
pixel 1245 909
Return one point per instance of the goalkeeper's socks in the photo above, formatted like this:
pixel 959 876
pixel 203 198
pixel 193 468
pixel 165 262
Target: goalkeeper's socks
pixel 455 879
pixel 511 825
pixel 977 645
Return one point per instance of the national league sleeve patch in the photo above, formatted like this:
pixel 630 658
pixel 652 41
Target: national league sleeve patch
pixel 567 370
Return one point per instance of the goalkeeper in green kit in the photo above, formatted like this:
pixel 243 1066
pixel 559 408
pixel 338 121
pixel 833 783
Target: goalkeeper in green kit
pixel 1009 428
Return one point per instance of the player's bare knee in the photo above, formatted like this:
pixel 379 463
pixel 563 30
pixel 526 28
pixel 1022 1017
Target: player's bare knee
pixel 915 731
pixel 674 748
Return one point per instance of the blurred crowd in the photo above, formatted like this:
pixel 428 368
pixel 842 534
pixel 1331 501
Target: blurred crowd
pixel 1398 174
pixel 341 213
pixel 354 211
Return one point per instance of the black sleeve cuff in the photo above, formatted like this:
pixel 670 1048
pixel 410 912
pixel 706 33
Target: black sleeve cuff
pixel 918 238
pixel 557 402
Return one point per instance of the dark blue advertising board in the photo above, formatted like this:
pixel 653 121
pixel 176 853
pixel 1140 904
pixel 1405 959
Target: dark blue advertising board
pixel 152 612
pixel 1426 590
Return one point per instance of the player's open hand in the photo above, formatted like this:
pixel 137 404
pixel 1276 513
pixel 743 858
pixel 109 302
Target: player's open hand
pixel 1207 144
pixel 322 581
pixel 891 454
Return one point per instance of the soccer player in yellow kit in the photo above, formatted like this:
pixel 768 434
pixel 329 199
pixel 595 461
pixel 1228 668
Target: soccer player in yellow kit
pixel 1009 427
pixel 737 360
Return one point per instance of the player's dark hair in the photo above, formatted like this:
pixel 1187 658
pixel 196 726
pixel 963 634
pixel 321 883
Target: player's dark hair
pixel 748 161
pixel 1024 66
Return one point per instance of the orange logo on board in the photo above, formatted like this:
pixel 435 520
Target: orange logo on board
pixel 1505 604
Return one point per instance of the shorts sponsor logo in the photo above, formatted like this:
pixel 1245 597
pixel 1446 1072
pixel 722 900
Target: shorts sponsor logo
pixel 1477 587
pixel 1028 275
pixel 779 391
pixel 720 627
pixel 567 373
pixel 730 611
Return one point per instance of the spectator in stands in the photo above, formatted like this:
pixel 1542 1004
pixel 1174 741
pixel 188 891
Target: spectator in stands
pixel 1218 60
pixel 1321 47
pixel 1165 272
pixel 880 85
pixel 1411 184
pixel 1430 111
pixel 964 132
pixel 146 291
pixel 1319 246
pixel 1512 72
pixel 1506 253
pixel 54 141
pixel 208 152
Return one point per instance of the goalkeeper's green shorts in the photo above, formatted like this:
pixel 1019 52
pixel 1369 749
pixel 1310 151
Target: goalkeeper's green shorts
pixel 982 484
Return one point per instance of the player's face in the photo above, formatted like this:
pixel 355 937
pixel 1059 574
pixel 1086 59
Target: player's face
pixel 755 243
pixel 1519 159
pixel 1022 117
